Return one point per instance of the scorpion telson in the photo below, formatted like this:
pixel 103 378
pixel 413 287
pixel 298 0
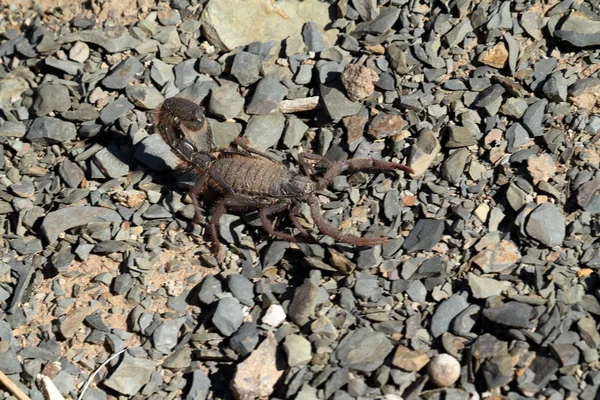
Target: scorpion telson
pixel 246 178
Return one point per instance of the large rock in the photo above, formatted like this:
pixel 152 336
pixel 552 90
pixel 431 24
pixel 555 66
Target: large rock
pixel 232 23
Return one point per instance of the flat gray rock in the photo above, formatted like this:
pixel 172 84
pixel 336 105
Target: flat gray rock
pixel 120 76
pixel 580 30
pixel 445 313
pixel 153 152
pixel 50 130
pixel 228 316
pixel 363 350
pixel 267 96
pixel 112 45
pixel 547 224
pixel 50 97
pixel 264 131
pixel 60 220
pixel 131 375
pixel 229 24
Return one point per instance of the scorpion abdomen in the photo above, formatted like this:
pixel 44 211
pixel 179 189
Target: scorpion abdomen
pixel 251 175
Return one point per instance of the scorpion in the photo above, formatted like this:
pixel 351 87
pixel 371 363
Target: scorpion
pixel 245 178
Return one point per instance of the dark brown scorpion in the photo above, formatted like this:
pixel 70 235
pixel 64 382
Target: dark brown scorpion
pixel 246 178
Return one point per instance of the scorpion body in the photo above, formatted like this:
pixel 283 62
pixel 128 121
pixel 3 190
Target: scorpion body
pixel 246 178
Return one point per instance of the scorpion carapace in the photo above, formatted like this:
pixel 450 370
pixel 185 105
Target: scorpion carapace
pixel 246 178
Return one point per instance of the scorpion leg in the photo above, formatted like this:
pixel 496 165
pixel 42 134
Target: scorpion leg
pixel 293 217
pixel 244 144
pixel 264 214
pixel 329 230
pixel 307 167
pixel 219 209
pixel 195 192
pixel 338 168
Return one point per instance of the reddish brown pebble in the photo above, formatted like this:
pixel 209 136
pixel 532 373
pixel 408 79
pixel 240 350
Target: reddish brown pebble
pixel 359 81
pixel 443 370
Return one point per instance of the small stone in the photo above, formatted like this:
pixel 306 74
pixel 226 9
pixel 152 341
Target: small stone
pixel 294 131
pixel 274 316
pixel 131 375
pixel 532 119
pixel 443 370
pixel 555 88
pixel 495 57
pixel 489 96
pixel 580 30
pixel 304 302
pixel 454 166
pixel 359 81
pixel 568 354
pixel 60 220
pixel 497 257
pixel 312 37
pixel 588 196
pixel 498 370
pixel 547 225
pixel 267 96
pixel 120 76
pixel 68 67
pixel 336 103
pixel 514 107
pixel 459 32
pixel 228 316
pixel 50 97
pixel 245 68
pixel 166 334
pixel 245 339
pixel 79 52
pixel 512 313
pixel 424 152
pixel 482 288
pixel 426 234
pixel 241 288
pixel 226 102
pixel 541 168
pixel 12 129
pixel 385 125
pixel 298 350
pixel 146 97
pixel 460 137
pixel 153 152
pixel 255 377
pixel 73 321
pixel 355 125
pixel 110 161
pixel 27 245
pixel 409 360
pixel 114 110
pixel 71 173
pixel 589 332
pixel 100 38
pixel 363 350
pixel 185 72
pixel 264 131
pixel 445 313
pixel 49 130
pixel 200 387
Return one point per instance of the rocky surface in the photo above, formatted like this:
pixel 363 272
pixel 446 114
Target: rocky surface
pixel 487 288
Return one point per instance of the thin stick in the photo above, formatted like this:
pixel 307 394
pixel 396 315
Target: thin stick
pixel 299 105
pixel 12 387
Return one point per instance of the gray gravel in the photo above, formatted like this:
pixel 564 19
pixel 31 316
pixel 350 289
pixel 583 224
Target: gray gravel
pixel 493 253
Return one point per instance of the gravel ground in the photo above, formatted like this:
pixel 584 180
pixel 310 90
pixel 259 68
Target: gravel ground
pixel 488 287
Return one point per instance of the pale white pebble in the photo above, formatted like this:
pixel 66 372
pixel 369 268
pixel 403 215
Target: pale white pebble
pixel 443 370
pixel 274 316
